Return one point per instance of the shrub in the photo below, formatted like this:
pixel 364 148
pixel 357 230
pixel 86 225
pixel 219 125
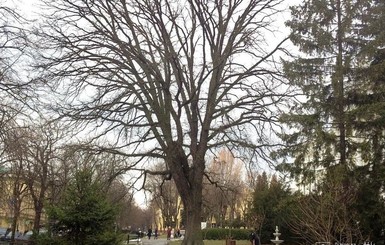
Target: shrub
pixel 223 234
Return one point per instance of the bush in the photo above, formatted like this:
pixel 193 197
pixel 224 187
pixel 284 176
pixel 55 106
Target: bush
pixel 223 234
pixel 106 238
pixel 46 239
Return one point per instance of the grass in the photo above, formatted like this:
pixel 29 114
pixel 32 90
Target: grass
pixel 213 242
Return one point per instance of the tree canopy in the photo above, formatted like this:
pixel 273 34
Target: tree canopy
pixel 169 80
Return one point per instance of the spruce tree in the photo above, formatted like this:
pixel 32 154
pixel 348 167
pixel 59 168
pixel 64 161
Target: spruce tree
pixel 329 124
pixel 326 34
pixel 367 103
pixel 84 215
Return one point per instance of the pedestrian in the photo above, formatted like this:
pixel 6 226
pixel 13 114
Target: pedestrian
pixel 149 233
pixel 169 233
pixel 156 233
pixel 254 238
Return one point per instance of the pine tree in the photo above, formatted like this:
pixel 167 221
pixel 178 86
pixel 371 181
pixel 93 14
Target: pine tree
pixel 84 215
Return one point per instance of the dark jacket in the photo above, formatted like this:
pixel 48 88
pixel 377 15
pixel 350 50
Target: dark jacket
pixel 254 238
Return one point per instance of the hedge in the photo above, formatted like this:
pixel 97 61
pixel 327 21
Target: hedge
pixel 223 234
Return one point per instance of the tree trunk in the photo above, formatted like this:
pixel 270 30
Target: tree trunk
pixel 193 234
pixel 37 218
pixel 339 88
pixel 16 213
pixel 14 222
pixel 188 179
pixel 191 195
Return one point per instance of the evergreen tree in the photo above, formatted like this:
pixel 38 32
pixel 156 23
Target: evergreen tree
pixel 325 32
pixel 337 123
pixel 367 113
pixel 268 207
pixel 84 215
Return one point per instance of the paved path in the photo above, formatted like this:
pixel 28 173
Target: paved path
pixel 159 241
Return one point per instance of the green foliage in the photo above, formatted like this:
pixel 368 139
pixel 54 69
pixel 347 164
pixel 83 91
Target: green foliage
pixel 370 202
pixel 223 234
pixel 321 134
pixel 336 137
pixel 268 206
pixel 47 239
pixel 84 215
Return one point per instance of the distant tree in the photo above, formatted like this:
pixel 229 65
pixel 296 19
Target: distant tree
pixel 257 213
pixel 137 217
pixel 165 197
pixel 268 209
pixel 84 215
pixel 41 153
pixel 167 80
pixel 13 163
pixel 121 194
pixel 223 189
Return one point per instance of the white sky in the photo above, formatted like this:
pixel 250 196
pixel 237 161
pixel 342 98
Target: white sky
pixel 31 10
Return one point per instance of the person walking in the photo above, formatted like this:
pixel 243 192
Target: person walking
pixel 254 238
pixel 149 233
pixel 169 233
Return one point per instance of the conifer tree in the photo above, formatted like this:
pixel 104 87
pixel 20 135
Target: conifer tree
pixel 327 133
pixel 367 102
pixel 84 215
pixel 325 32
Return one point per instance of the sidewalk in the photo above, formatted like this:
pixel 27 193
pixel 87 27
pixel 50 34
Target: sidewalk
pixel 152 241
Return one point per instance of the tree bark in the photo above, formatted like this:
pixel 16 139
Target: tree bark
pixel 189 180
pixel 193 221
pixel 37 218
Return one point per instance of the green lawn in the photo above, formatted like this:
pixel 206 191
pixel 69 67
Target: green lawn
pixel 213 242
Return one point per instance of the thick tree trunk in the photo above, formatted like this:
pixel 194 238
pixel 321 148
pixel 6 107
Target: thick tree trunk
pixel 193 223
pixel 188 177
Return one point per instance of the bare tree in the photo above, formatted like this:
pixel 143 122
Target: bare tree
pixel 122 196
pixel 165 197
pixel 42 148
pixel 326 217
pixel 170 80
pixel 12 164
pixel 13 95
pixel 223 189
pixel 15 90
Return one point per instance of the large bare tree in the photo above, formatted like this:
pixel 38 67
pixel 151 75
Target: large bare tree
pixel 166 79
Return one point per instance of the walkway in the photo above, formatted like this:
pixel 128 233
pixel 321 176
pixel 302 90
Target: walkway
pixel 152 241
